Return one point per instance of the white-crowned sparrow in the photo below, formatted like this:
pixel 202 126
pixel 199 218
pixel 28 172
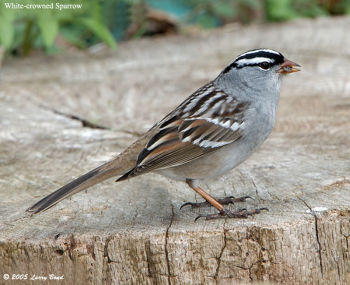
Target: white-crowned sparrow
pixel 211 132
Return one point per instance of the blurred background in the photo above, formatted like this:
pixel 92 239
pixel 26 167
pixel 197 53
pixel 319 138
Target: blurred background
pixel 24 31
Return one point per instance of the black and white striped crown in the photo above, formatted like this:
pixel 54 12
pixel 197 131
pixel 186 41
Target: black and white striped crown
pixel 255 58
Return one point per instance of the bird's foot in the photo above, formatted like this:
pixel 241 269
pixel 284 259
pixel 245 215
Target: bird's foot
pixel 222 201
pixel 225 213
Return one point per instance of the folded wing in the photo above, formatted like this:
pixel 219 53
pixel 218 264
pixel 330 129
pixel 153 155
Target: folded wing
pixel 204 123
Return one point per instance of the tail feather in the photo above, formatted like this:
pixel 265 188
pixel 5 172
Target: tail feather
pixel 127 175
pixel 87 180
pixel 119 166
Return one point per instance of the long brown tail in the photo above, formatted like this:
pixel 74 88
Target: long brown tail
pixel 114 168
pixel 89 179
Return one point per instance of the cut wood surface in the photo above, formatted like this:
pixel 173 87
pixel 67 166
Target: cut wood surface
pixel 133 232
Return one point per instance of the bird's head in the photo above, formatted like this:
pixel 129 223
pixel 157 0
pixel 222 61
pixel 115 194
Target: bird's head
pixel 259 68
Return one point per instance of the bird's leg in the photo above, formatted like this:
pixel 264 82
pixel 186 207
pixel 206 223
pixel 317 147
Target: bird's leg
pixel 205 195
pixel 223 201
pixel 242 213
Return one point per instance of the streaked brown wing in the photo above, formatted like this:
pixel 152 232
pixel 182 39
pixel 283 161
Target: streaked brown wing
pixel 183 137
pixel 169 155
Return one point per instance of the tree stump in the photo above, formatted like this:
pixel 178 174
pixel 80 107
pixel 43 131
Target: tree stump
pixel 133 232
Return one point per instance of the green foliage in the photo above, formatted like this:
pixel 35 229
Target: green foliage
pixel 24 29
pixel 281 10
pixel 7 30
pixel 337 7
pixel 99 30
pixel 49 28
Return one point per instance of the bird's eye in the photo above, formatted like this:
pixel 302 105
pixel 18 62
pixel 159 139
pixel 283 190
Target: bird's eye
pixel 265 65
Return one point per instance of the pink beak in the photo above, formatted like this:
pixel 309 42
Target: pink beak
pixel 288 66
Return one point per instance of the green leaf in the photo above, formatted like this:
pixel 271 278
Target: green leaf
pixel 48 26
pixel 6 31
pixel 100 30
pixel 279 10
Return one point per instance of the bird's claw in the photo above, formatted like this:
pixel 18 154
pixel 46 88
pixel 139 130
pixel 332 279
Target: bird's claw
pixel 187 204
pixel 226 213
pixel 223 201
